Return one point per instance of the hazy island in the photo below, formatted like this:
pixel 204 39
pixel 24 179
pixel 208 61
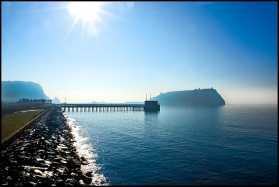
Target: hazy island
pixel 197 97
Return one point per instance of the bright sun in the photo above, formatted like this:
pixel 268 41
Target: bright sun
pixel 88 13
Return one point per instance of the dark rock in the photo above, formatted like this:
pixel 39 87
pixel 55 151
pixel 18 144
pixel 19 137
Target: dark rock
pixel 37 171
pixel 70 181
pixel 47 162
pixel 86 179
pixel 38 159
pixel 59 182
pixel 47 142
pixel 76 162
pixel 56 164
pixel 13 162
pixel 32 183
pixel 89 174
pixel 62 170
pixel 81 182
pixel 25 174
pixel 74 174
pixel 84 162
pixel 41 177
pixel 57 159
pixel 63 161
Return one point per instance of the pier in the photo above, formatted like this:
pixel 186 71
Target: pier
pixel 148 106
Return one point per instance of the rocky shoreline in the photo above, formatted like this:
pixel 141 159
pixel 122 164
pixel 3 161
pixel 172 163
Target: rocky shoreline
pixel 44 154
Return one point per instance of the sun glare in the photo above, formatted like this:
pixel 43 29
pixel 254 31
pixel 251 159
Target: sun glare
pixel 87 13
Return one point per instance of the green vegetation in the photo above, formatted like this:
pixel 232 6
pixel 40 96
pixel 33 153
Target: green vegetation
pixel 13 123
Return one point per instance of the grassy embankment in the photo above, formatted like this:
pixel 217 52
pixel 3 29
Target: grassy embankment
pixel 15 118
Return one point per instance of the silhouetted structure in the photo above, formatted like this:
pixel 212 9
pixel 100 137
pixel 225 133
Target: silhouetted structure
pixel 151 106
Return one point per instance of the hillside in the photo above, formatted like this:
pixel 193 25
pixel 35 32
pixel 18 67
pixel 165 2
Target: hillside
pixel 197 97
pixel 12 91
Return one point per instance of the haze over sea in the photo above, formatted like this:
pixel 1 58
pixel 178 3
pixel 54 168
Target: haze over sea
pixel 234 144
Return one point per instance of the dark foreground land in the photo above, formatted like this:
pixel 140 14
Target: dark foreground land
pixel 43 154
pixel 17 116
pixel 9 108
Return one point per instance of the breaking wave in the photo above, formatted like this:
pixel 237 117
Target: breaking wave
pixel 85 149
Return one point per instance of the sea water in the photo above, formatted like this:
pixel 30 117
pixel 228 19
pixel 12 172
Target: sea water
pixel 234 144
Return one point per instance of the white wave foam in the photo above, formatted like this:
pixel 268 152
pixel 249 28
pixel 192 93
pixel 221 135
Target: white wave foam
pixel 85 149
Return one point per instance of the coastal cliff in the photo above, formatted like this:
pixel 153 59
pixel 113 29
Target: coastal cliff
pixel 197 97
pixel 12 91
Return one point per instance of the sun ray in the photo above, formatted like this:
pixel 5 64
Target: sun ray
pixel 89 15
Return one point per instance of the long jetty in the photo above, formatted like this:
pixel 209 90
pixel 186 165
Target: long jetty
pixel 101 107
pixel 147 106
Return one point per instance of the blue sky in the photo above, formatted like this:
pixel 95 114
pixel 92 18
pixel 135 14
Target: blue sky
pixel 142 47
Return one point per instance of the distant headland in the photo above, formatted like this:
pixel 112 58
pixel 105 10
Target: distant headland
pixel 196 97
pixel 12 91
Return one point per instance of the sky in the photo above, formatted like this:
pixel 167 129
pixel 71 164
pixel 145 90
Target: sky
pixel 120 51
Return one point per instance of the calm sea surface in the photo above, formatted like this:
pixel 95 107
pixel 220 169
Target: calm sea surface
pixel 227 145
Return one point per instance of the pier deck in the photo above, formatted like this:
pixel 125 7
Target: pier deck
pixel 147 106
pixel 101 107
